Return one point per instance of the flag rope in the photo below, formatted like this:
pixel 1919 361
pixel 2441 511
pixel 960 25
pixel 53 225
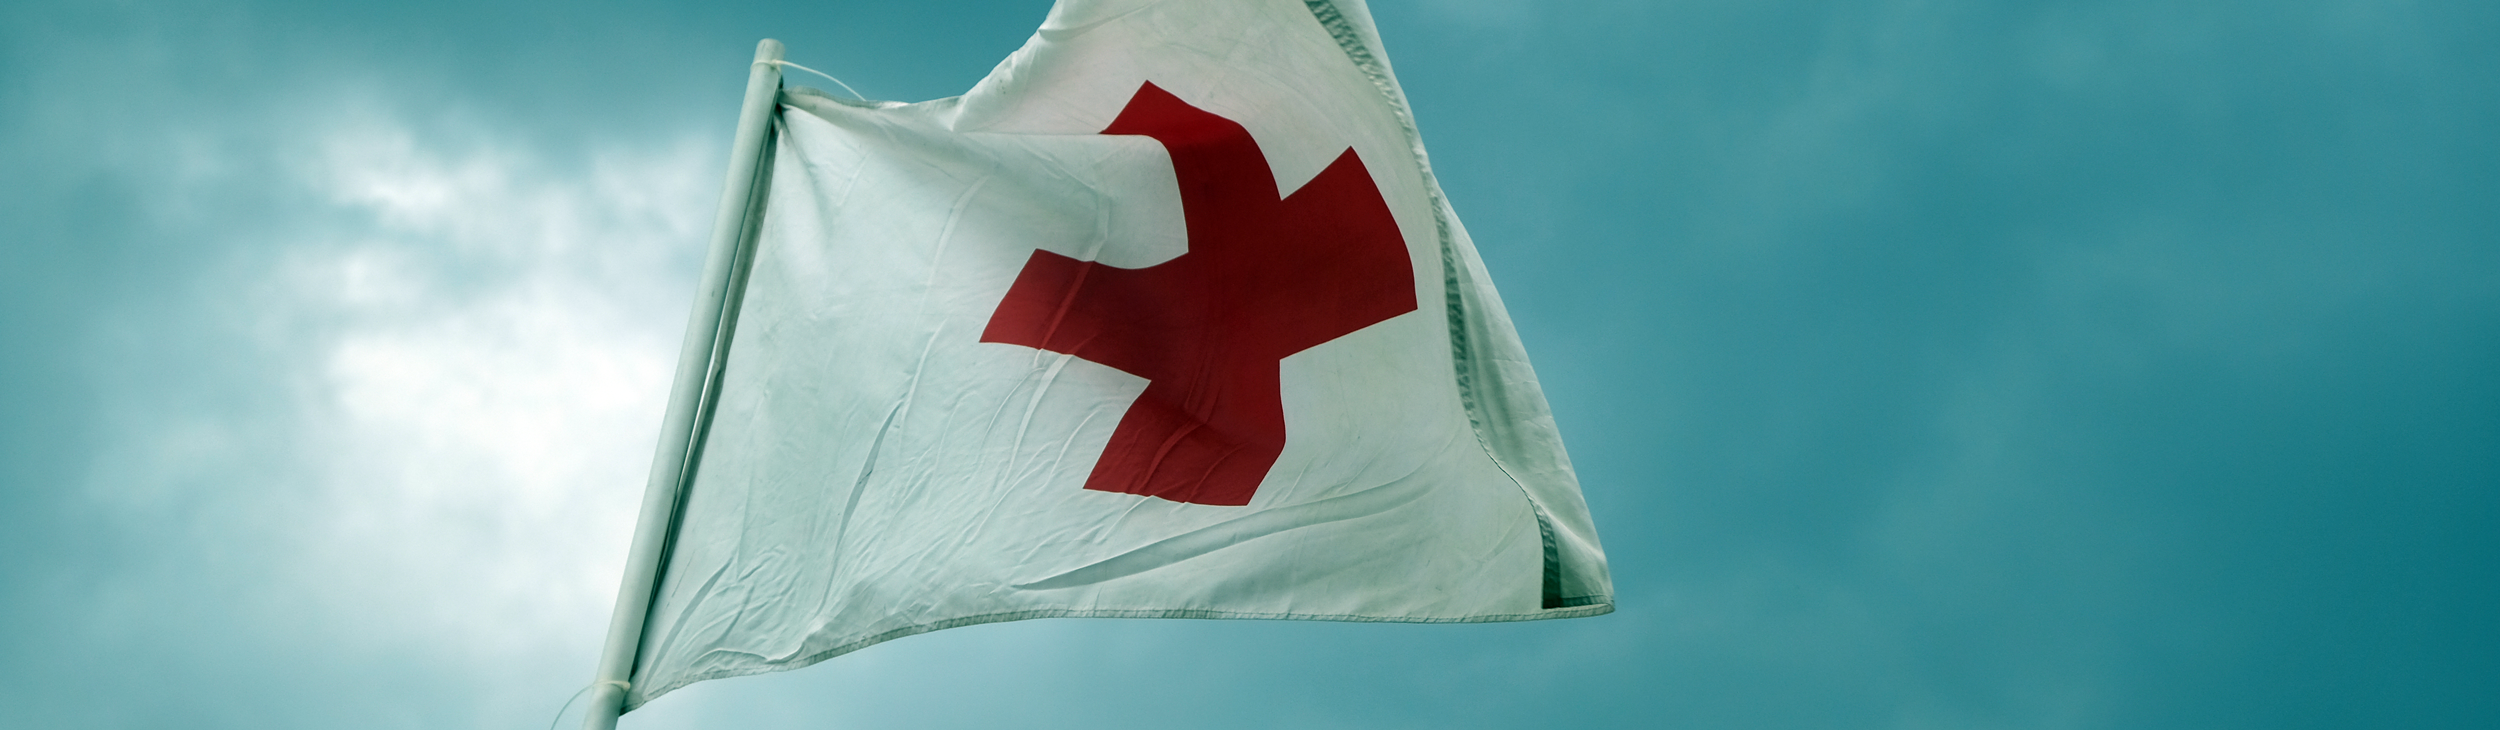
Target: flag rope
pixel 577 697
pixel 829 77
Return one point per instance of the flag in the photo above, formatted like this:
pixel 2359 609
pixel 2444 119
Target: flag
pixel 1166 317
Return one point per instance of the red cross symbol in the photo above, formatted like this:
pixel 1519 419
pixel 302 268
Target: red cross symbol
pixel 1265 277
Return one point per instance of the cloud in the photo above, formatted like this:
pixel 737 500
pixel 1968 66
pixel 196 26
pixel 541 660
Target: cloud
pixel 1929 364
pixel 453 356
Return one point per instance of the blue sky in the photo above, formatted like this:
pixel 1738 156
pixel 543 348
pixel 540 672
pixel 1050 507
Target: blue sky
pixel 1927 363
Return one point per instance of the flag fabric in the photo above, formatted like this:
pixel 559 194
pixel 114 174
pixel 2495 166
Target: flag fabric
pixel 1166 317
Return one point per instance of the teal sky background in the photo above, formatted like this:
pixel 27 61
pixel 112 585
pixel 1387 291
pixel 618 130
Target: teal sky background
pixel 1927 364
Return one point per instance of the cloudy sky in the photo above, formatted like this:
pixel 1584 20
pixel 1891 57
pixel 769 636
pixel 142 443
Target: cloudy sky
pixel 1927 363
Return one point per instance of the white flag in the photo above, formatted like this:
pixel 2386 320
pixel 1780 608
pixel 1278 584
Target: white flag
pixel 1165 318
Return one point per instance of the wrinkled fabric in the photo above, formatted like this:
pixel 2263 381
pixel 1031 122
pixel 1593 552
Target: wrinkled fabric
pixel 873 468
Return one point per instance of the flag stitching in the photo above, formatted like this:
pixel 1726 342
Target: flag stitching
pixel 1359 52
pixel 642 695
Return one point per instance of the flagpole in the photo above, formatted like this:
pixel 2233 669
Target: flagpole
pixel 694 369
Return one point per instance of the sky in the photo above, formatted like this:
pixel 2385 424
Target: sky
pixel 1926 364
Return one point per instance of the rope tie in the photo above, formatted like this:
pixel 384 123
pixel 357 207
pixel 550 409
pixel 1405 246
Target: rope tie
pixel 621 685
pixel 829 77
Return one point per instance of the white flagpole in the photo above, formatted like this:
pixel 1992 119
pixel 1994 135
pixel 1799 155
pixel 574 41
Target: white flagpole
pixel 694 371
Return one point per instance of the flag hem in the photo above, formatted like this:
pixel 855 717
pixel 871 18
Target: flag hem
pixel 1359 51
pixel 638 697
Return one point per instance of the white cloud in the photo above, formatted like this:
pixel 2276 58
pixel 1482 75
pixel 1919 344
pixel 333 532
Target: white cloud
pixel 488 432
pixel 473 344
